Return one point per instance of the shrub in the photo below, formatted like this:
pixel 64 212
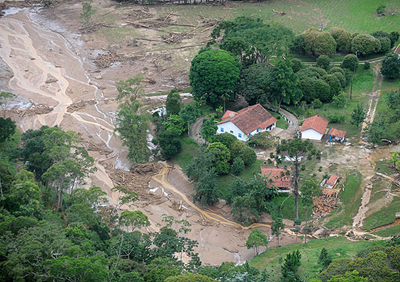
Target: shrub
pixel 316 104
pixel 367 65
pixel 237 166
pixel 336 118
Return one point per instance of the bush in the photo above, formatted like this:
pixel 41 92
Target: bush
pixel 367 66
pixel 381 9
pixel 316 104
pixel 323 62
pixel 336 118
pixel 350 62
pixel 297 65
pixel 237 166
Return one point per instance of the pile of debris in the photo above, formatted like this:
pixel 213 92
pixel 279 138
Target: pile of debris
pixel 33 110
pixel 324 205
pixel 105 60
pixel 177 37
pixel 79 105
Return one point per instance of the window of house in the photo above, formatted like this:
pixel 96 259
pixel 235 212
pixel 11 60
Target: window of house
pixel 258 130
pixel 240 135
pixel 231 131
pixel 222 129
pixel 249 134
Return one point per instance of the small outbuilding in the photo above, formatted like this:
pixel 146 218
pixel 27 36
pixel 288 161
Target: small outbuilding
pixel 336 135
pixel 332 181
pixel 313 128
pixel 279 177
pixel 397 50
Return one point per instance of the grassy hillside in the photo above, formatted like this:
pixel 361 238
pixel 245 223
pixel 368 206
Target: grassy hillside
pixel 301 15
pixel 337 247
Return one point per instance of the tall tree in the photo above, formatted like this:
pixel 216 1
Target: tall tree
pixel 133 128
pixel 391 66
pixel 358 115
pixel 173 103
pixel 286 82
pixel 290 267
pixel 7 129
pixel 309 189
pixel 297 150
pixel 276 228
pixel 256 239
pixel 214 73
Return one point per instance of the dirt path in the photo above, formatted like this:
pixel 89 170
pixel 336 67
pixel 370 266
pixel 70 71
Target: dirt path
pixel 374 99
pixel 195 131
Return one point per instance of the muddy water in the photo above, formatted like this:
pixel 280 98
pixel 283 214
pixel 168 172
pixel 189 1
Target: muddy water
pixel 47 71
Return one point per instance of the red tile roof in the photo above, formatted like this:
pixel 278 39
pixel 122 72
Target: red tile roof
pixel 332 180
pixel 316 122
pixel 250 118
pixel 275 174
pixel 337 133
pixel 397 51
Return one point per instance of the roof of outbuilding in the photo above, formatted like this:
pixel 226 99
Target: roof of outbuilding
pixel 316 122
pixel 337 132
pixel 332 180
pixel 250 118
pixel 275 174
pixel 397 51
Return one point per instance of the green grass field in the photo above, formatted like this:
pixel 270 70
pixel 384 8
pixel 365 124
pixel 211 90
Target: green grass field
pixel 385 215
pixel 390 231
pixel 189 148
pixel 224 180
pixel 281 123
pixel 338 247
pixel 350 199
pixel 354 15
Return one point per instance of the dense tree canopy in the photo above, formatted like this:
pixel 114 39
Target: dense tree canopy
pixel 319 43
pixel 213 75
pixel 391 66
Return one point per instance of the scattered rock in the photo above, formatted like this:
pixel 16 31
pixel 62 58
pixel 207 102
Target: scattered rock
pixel 51 79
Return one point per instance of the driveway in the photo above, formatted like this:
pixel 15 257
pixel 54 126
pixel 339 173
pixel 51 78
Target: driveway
pixel 195 131
pixel 293 123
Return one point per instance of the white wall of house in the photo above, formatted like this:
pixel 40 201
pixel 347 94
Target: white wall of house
pixel 231 128
pixel 263 129
pixel 311 134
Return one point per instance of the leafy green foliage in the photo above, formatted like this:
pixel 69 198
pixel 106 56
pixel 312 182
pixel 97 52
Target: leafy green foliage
pixel 358 115
pixel 325 258
pixel 319 43
pixel 365 44
pixel 209 128
pixel 256 239
pixel 221 156
pixel 291 266
pixel 286 82
pixel 247 154
pixel 342 37
pixel 213 74
pixel 87 11
pixel 323 62
pixel 256 84
pixel 350 62
pixel 237 166
pixel 174 103
pixel 170 143
pixel 252 40
pixel 263 140
pixel 391 66
pixel 7 129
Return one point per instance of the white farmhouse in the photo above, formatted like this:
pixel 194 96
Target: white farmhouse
pixel 313 128
pixel 246 122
